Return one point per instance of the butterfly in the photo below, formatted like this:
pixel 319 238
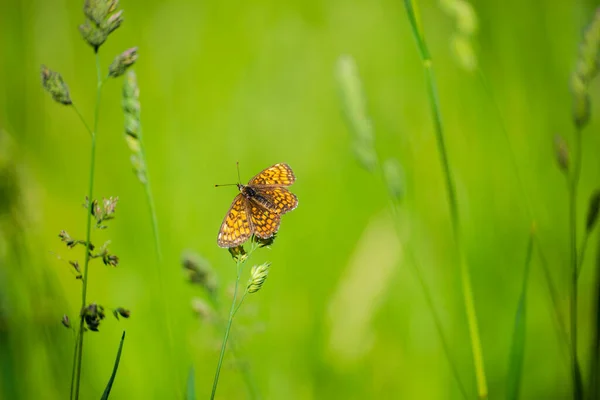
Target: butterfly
pixel 258 208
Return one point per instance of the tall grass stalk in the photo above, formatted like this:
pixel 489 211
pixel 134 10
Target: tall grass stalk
pixel 452 202
pixel 572 187
pixel 354 105
pixel 562 332
pixel 79 342
pixel 519 335
pixel 241 365
pixel 239 262
pixel 416 270
pixel 135 140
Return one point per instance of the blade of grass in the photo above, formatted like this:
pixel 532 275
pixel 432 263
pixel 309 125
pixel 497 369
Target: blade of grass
pixel 517 351
pixel 190 393
pixel 469 303
pixel 114 371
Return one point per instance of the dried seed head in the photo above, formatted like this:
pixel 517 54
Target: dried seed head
pixel 123 312
pixel 66 238
pixel 93 314
pixel 54 84
pixel 593 211
pixel 258 275
pixel 75 265
pixel 122 62
pixel 107 258
pixel 199 271
pixel 238 253
pixel 561 153
pixel 104 211
pixel 65 321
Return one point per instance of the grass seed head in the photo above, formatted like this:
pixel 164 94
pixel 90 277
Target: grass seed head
pixel 53 83
pixel 123 61
pixel 258 275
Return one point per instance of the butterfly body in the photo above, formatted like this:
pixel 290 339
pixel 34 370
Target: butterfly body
pixel 257 209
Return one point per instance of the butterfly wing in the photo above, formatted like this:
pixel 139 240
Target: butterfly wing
pixel 278 174
pixel 276 198
pixel 237 226
pixel 264 221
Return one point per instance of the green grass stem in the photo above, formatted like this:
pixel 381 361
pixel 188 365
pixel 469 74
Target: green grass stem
pixel 528 207
pixel 232 310
pixel 517 350
pixel 85 278
pixel 452 202
pixel 572 187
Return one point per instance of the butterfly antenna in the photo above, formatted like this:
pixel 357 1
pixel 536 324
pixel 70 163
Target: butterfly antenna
pixel 227 184
pixel 237 163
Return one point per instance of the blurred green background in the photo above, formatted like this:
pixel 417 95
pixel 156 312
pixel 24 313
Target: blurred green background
pixel 341 315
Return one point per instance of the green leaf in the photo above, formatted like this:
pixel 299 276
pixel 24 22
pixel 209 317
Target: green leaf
pixel 517 351
pixel 190 393
pixel 114 372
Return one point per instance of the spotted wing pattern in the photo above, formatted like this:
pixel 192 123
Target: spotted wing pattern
pixel 278 174
pixel 264 221
pixel 236 227
pixel 279 198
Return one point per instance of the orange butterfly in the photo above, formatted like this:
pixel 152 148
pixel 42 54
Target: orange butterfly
pixel 258 208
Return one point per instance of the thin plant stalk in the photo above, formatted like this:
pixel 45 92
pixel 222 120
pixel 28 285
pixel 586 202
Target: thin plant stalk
pixel 227 328
pixel 85 277
pixel 412 261
pixel 582 249
pixel 150 199
pixel 131 108
pixel 452 202
pixel 246 374
pixel 87 127
pixel 559 318
pixel 354 103
pixel 573 184
pixel 530 213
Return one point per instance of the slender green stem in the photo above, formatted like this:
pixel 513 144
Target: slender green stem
pixel 558 315
pixel 227 329
pixel 150 199
pixel 547 275
pixel 582 249
pixel 88 227
pixel 241 301
pixel 241 364
pixel 573 184
pixel 73 369
pixel 452 202
pixel 87 127
pixel 416 270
